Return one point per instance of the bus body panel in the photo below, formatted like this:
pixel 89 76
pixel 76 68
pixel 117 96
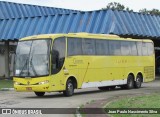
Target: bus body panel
pixel 91 70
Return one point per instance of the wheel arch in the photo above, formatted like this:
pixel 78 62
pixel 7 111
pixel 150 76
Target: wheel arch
pixel 74 80
pixel 140 73
pixel 132 75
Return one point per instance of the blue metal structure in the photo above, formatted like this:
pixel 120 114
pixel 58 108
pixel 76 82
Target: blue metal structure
pixel 123 23
pixel 16 10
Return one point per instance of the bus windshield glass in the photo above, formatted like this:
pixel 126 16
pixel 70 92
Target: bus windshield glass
pixel 32 58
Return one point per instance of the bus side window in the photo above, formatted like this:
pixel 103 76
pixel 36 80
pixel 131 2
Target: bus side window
pixel 150 48
pixel 88 46
pixel 102 47
pixel 74 46
pixel 125 48
pixel 58 54
pixel 139 48
pixel 144 49
pixel 133 49
pixel 55 58
pixel 115 48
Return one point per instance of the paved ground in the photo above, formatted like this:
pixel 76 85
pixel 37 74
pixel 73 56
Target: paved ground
pixel 12 99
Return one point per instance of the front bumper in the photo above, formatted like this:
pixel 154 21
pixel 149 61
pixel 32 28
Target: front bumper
pixel 33 88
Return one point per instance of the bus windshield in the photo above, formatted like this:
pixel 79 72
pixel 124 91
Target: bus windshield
pixel 32 58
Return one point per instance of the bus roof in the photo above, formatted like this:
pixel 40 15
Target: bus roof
pixel 81 34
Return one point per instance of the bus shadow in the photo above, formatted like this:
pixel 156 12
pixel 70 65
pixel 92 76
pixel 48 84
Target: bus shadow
pixel 60 95
pixel 94 92
pixel 79 92
pixel 107 91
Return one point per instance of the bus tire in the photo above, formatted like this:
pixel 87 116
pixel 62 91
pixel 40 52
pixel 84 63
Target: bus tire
pixel 69 88
pixel 39 94
pixel 130 82
pixel 138 82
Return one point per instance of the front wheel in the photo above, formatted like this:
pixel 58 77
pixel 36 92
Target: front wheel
pixel 39 94
pixel 69 88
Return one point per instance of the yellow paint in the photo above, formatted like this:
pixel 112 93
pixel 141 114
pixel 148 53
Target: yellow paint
pixel 88 68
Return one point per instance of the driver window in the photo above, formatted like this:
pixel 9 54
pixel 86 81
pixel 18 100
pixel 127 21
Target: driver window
pixel 58 54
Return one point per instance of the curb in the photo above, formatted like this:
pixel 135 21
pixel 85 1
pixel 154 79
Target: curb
pixel 78 114
pixel 7 89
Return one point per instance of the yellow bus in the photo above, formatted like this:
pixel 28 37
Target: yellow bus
pixel 64 62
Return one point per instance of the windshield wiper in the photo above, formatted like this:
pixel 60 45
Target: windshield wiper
pixel 23 67
pixel 30 62
pixel 34 71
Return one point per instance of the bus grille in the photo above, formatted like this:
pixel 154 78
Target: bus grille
pixel 149 72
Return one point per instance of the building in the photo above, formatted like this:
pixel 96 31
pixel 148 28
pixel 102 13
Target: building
pixel 122 23
pixel 8 11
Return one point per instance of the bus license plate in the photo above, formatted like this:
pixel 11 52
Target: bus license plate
pixel 28 88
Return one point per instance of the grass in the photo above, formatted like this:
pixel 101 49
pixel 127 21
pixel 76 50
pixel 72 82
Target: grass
pixel 6 84
pixel 146 101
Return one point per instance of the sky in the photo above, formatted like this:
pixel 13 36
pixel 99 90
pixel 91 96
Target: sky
pixel 88 5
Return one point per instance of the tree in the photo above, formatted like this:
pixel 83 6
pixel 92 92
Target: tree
pixel 152 12
pixel 117 6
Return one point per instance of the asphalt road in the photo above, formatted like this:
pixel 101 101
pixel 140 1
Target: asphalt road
pixel 12 99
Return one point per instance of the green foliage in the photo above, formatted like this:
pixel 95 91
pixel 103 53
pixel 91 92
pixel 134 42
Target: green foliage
pixel 115 5
pixel 146 101
pixel 6 84
pixel 152 12
pixel 118 6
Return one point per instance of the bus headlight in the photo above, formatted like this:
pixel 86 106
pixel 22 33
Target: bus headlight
pixel 17 83
pixel 43 82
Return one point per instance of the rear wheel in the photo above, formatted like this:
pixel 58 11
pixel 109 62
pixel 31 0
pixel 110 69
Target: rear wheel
pixel 69 88
pixel 39 94
pixel 138 82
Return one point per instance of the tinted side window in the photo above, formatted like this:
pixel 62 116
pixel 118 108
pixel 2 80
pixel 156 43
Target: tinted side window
pixel 88 46
pixel 114 48
pixel 150 48
pixel 74 46
pixel 139 48
pixel 133 48
pixel 125 48
pixel 58 54
pixel 102 47
pixel 144 49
